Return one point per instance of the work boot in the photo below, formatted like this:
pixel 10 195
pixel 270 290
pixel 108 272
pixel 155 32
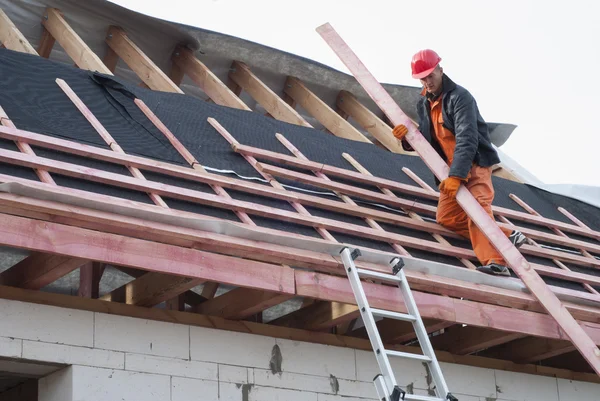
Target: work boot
pixel 517 238
pixel 494 269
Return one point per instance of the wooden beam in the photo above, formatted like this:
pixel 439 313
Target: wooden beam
pixel 139 63
pixel 319 316
pixel 39 269
pixel 273 104
pixel 241 303
pixel 151 289
pixel 90 275
pixel 121 224
pixel 398 332
pixel 111 59
pixel 207 81
pixel 46 43
pixel 321 111
pixel 70 41
pixel 197 320
pixel 114 249
pixel 369 121
pixel 12 38
pixel 531 349
pixel 209 290
pixel 337 289
pixel 467 340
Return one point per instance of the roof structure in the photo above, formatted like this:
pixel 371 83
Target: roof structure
pixel 196 201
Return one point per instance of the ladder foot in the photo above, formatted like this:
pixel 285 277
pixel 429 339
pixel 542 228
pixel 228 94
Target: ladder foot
pixel 450 397
pixel 398 394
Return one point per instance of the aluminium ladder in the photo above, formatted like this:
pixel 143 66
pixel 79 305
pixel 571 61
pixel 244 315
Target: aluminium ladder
pixel 385 383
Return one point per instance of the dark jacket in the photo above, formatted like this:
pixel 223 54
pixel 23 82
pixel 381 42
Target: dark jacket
pixel 461 116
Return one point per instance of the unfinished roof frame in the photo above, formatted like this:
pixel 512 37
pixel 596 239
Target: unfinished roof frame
pixel 56 28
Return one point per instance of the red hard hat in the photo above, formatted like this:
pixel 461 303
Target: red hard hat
pixel 423 63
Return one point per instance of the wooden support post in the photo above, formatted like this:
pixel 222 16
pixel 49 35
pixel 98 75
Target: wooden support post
pixel 241 303
pixel 111 59
pixel 321 111
pixel 412 215
pixel 39 269
pixel 240 74
pixel 12 38
pixel 70 41
pixel 90 275
pixel 347 103
pixel 515 260
pixel 46 43
pixel 207 81
pixel 139 63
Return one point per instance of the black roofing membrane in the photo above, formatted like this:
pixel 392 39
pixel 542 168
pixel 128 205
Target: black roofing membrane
pixel 34 102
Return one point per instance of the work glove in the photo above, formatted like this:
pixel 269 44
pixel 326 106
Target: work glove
pixel 400 131
pixel 450 186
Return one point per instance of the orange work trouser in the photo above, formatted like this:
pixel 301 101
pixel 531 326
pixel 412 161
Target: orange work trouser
pixel 454 218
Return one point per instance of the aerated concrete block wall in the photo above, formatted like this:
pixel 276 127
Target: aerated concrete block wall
pixel 110 357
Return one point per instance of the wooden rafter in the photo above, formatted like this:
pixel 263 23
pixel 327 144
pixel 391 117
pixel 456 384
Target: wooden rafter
pixel 70 41
pixel 369 121
pixel 531 349
pixel 12 38
pixel 242 75
pixel 467 340
pixel 319 316
pixel 139 63
pixel 151 289
pixel 185 60
pixel 39 269
pixel 241 303
pixel 321 111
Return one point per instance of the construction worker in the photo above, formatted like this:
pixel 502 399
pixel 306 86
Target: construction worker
pixel 449 119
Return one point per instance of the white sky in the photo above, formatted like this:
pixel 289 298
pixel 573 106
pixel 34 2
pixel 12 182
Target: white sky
pixel 529 63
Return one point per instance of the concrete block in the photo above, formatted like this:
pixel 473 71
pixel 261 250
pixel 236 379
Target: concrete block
pixel 68 354
pixel 46 323
pixel 580 391
pixel 524 387
pixel 230 348
pixel 57 386
pixel 235 374
pixel 171 366
pixel 184 389
pixel 317 359
pixel 354 388
pixel 408 372
pixel 469 380
pixel 295 381
pixel 11 347
pixel 140 336
pixel 95 384
pixel 276 394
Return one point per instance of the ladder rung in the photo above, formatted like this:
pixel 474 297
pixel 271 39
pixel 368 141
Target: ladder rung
pixel 377 275
pixel 414 397
pixel 393 315
pixel 408 355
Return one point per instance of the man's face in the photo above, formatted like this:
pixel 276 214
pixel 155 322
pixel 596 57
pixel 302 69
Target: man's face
pixel 433 82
